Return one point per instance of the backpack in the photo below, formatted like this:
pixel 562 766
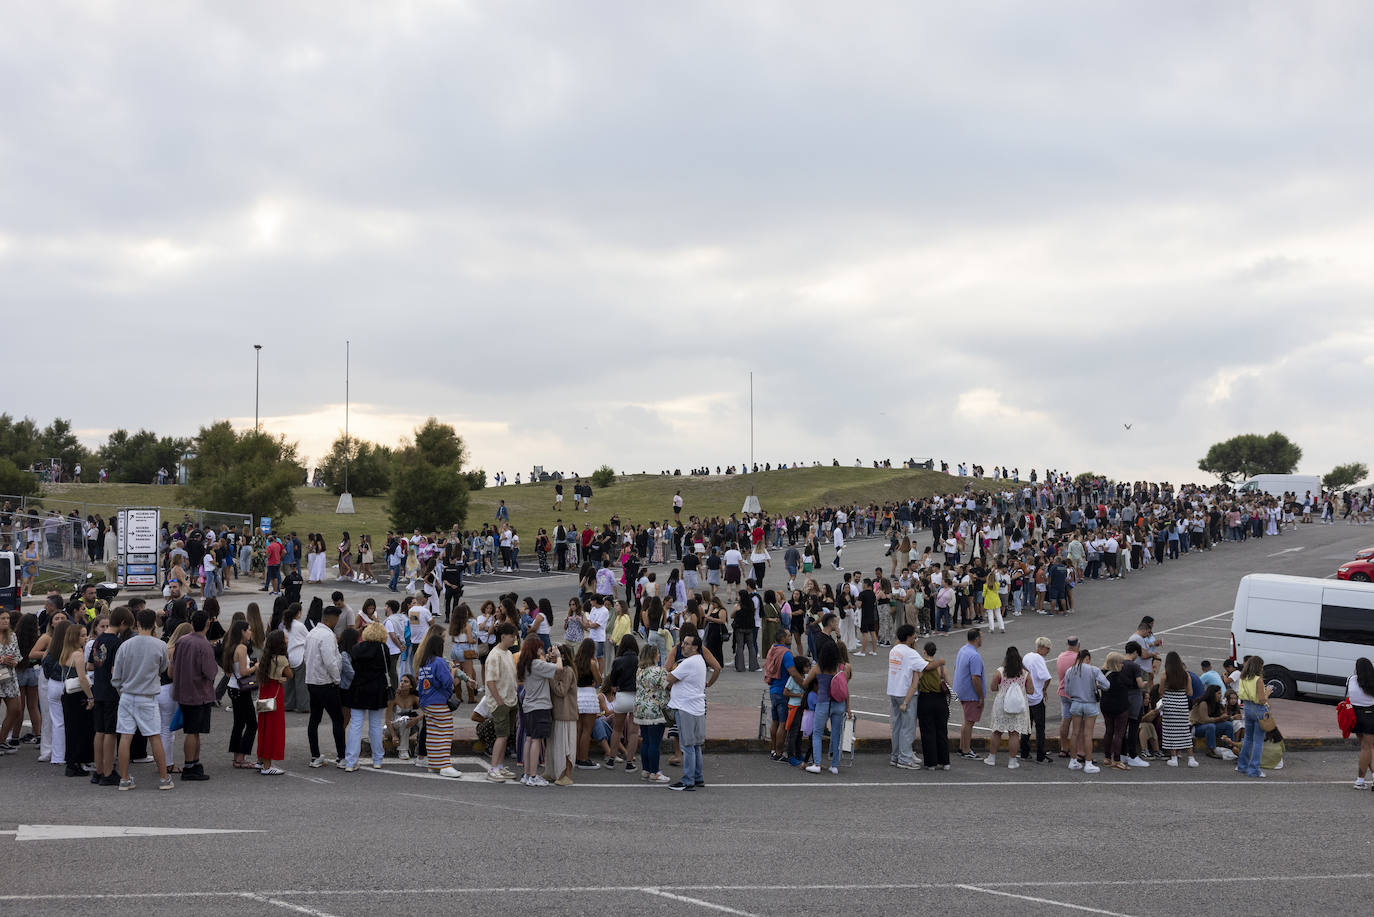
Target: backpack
pixel 1014 701
pixel 839 686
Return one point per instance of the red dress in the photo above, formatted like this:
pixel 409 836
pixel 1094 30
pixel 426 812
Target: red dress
pixel 272 726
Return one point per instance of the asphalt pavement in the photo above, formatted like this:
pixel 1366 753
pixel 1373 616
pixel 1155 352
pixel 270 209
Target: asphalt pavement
pixel 761 839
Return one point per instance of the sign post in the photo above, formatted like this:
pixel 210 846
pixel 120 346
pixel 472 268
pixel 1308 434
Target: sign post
pixel 137 537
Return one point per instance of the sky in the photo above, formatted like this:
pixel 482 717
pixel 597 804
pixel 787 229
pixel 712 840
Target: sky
pixel 985 232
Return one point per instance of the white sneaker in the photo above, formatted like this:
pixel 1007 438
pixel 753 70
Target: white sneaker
pixel 1075 764
pixel 1137 762
pixel 1360 784
pixel 813 768
pixel 858 654
pixel 835 771
pixel 1013 764
pixel 1172 762
pixel 1192 762
pixel 404 755
pixel 1091 768
pixel 1226 754
pixel 320 761
pixel 537 780
pixel 990 760
pixel 420 761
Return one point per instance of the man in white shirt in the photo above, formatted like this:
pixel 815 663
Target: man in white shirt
pixel 904 663
pixel 323 666
pixel 1110 549
pixel 688 682
pixel 1040 680
pixel 838 536
pixel 395 625
pixel 732 560
pixel 597 617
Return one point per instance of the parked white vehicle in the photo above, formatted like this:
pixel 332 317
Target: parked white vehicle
pixel 1276 485
pixel 1308 631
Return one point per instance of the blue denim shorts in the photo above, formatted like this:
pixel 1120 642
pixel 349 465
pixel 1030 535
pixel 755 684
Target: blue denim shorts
pixel 1084 708
pixel 779 704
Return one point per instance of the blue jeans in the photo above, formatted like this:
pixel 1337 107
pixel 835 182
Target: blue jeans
pixel 691 765
pixel 834 712
pixel 942 618
pixel 903 730
pixel 1209 732
pixel 353 745
pixel 651 736
pixel 395 576
pixel 1253 743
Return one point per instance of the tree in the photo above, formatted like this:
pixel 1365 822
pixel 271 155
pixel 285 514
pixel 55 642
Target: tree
pixel 134 458
pixel 603 476
pixel 57 441
pixel 19 440
pixel 369 468
pixel 1085 479
pixel 1250 454
pixel 429 490
pixel 249 471
pixel 16 480
pixel 1348 475
pixel 477 478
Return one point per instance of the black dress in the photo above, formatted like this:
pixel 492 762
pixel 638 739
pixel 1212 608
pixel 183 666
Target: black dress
pixel 80 728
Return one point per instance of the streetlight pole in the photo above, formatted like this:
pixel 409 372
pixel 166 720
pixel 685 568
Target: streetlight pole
pixel 347 349
pixel 257 377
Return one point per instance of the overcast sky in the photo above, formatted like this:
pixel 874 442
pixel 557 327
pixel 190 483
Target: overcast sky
pixel 983 232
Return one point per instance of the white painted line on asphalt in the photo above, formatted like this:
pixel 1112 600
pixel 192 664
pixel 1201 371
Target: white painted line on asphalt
pixel 1225 630
pixel 1033 899
pixel 602 889
pixel 298 908
pixel 659 893
pixel 87 832
pixel 1170 630
pixel 1287 551
pixel 307 778
pixel 821 782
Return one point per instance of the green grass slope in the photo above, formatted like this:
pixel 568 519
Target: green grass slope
pixel 637 498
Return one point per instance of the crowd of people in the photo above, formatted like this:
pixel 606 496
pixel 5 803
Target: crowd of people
pixel 106 686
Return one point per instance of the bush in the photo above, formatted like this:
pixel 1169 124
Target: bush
pixel 603 476
pixel 15 480
pixel 477 478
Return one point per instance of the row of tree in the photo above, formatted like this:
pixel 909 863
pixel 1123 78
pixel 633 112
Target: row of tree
pixel 1249 454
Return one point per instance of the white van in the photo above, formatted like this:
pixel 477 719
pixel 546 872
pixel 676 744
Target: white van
pixel 1308 631
pixel 1276 485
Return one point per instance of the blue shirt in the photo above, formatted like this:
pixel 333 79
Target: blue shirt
pixel 436 682
pixel 1210 677
pixel 966 665
pixel 777 685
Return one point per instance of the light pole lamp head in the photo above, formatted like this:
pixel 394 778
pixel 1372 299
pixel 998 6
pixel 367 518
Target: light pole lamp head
pixel 257 347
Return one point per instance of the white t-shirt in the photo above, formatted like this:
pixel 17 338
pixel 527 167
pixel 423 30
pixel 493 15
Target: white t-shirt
pixel 1039 673
pixel 839 537
pixel 903 663
pixel 599 615
pixel 396 629
pixel 688 693
pixel 420 617
pixel 1356 694
pixel 733 558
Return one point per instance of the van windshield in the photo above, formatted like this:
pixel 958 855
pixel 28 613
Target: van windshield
pixel 6 571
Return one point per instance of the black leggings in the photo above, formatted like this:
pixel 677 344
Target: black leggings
pixel 453 595
pixel 325 698
pixel 245 723
pixel 932 713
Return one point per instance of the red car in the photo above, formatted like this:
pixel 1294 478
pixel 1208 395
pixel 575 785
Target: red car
pixel 1365 553
pixel 1361 571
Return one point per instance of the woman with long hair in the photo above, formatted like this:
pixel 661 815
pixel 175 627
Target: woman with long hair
pixel 1116 707
pixel 558 762
pixel 535 673
pixel 435 679
pixel 464 649
pixel 624 735
pixel 10 658
pixel 30 678
pixel 1008 679
pixel 1081 684
pixel 274 672
pixel 166 705
pixel 296 698
pixel 1177 727
pixel 78 707
pixel 237 663
pixel 47 651
pixel 932 710
pixel 650 711
pixel 1254 696
pixel 827 666
pixel 1360 689
pixel 257 634
pixel 588 702
pixel 345 558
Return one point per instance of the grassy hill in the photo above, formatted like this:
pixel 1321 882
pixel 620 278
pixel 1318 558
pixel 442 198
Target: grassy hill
pixel 637 498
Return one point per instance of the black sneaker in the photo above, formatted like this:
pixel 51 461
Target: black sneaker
pixel 630 767
pixel 110 779
pixel 584 765
pixel 74 770
pixel 196 772
pixel 970 755
pixel 680 786
pixel 96 778
pixel 610 763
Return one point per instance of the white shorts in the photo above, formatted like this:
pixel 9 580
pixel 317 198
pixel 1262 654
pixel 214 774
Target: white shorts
pixel 624 702
pixel 587 702
pixel 138 713
pixel 558 498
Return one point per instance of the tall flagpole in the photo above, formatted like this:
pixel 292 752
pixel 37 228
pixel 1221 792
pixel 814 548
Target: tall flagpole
pixel 347 355
pixel 751 421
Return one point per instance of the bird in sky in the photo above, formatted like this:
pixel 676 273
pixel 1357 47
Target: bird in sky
pixel 1126 425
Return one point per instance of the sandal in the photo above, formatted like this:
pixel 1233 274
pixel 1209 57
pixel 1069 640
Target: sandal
pixel 173 769
pixel 245 766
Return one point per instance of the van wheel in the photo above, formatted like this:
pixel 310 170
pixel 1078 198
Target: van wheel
pixel 1280 683
pixel 1360 577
